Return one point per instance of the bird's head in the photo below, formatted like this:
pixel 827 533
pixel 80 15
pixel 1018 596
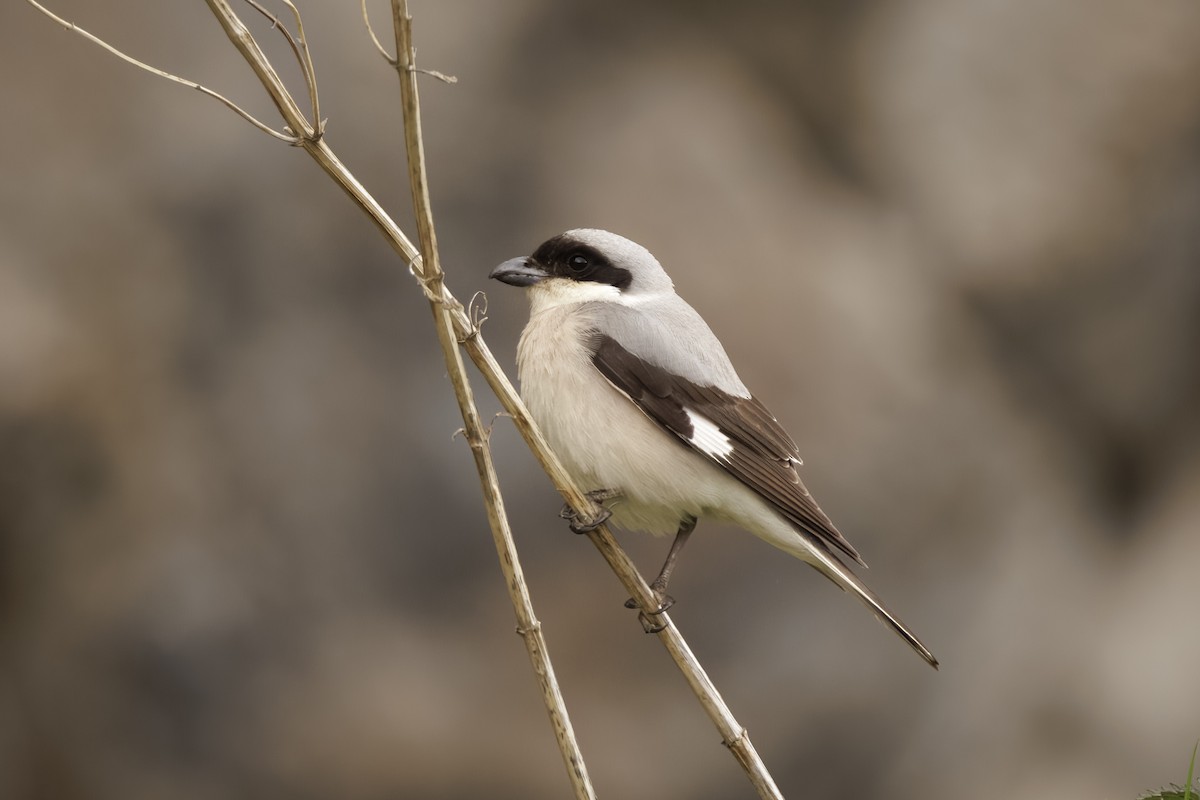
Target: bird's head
pixel 585 265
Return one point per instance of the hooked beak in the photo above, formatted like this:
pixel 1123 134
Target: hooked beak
pixel 522 271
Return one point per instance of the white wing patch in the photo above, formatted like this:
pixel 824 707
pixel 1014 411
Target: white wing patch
pixel 707 437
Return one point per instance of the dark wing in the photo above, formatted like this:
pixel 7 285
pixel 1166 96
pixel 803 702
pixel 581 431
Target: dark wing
pixel 750 444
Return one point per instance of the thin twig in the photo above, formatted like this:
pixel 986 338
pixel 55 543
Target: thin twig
pixel 277 24
pixel 310 72
pixel 388 57
pixel 232 106
pixel 299 50
pixel 528 625
pixel 433 73
pixel 245 43
pixel 432 274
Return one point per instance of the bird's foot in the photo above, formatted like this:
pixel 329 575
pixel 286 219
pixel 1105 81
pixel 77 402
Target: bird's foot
pixel 581 526
pixel 650 623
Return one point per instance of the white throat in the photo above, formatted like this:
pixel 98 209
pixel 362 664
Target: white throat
pixel 554 292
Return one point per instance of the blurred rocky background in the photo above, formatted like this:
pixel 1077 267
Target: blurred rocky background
pixel 955 246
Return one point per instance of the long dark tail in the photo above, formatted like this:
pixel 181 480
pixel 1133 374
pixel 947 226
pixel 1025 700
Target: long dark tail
pixel 831 567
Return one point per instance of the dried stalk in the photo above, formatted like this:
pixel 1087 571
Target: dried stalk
pixel 375 39
pixel 308 136
pixel 528 625
pixel 232 106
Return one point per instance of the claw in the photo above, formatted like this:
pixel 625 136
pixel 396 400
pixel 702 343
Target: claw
pixel 644 617
pixel 665 603
pixel 580 527
pixel 599 496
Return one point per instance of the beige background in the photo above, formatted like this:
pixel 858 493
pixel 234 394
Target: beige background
pixel 955 246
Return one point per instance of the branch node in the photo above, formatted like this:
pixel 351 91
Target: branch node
pixel 289 137
pixel 536 627
pixel 738 741
pixel 431 286
pixel 318 132
pixel 410 67
pixel 475 441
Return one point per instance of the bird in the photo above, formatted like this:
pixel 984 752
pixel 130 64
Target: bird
pixel 639 400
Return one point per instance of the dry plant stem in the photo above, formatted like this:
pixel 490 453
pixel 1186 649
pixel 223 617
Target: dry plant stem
pixel 375 39
pixel 307 136
pixel 240 35
pixel 232 106
pixel 299 50
pixel 527 623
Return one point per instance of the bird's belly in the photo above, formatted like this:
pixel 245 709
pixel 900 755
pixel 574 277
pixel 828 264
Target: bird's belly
pixel 605 441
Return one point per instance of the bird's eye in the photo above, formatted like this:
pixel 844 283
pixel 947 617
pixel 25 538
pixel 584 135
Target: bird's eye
pixel 578 262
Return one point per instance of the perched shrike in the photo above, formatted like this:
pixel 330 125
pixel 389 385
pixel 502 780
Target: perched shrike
pixel 637 397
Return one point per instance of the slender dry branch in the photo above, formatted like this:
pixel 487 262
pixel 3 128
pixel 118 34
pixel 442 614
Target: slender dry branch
pixel 245 43
pixel 388 57
pixel 371 31
pixel 306 134
pixel 300 51
pixel 306 65
pixel 232 106
pixel 528 625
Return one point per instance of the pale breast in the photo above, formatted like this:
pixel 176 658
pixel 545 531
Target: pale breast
pixel 604 440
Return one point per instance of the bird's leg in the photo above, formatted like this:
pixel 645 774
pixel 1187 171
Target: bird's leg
pixel 659 584
pixel 598 496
